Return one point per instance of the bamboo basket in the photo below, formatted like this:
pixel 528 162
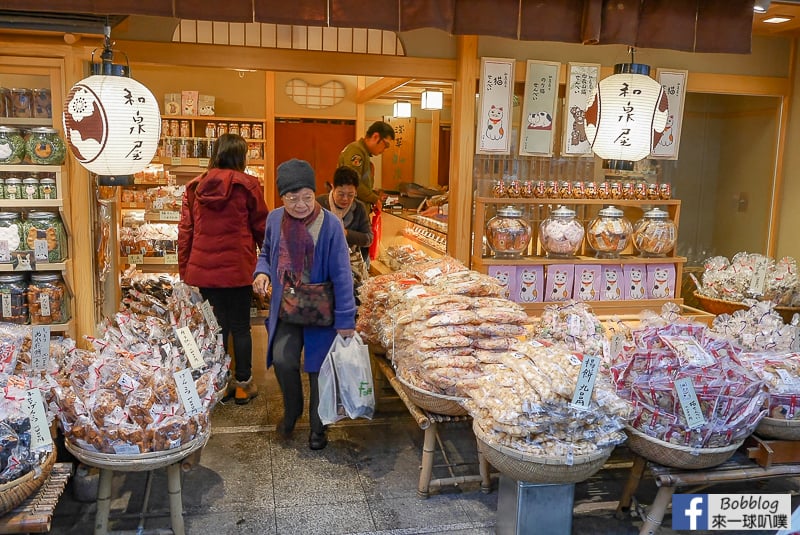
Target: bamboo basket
pixel 142 462
pixel 722 306
pixel 17 491
pixel 536 469
pixel 436 403
pixel 779 428
pixel 677 456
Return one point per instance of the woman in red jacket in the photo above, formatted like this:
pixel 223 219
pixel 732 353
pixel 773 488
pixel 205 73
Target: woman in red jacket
pixel 223 217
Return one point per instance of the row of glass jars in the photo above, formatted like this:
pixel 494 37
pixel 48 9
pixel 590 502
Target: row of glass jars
pixel 24 102
pixel 562 234
pixel 39 299
pixel 552 189
pixel 41 232
pixel 40 146
pixel 30 187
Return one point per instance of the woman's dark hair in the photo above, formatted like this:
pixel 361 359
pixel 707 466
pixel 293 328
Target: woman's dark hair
pixel 230 152
pixel 345 176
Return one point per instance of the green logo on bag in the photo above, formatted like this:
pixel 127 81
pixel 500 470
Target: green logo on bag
pixel 364 388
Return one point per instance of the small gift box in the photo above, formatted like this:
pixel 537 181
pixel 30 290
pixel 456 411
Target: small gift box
pixel 661 281
pixel 613 281
pixel 588 283
pixel 528 284
pixel 635 281
pixel 558 284
pixel 507 276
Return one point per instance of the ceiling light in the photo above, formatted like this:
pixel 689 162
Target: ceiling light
pixel 402 108
pixel 777 19
pixel 761 6
pixel 432 100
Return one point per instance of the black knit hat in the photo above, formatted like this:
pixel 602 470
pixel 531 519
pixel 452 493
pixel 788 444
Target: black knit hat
pixel 294 175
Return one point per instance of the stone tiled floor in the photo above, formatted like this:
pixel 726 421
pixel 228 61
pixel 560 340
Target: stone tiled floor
pixel 250 481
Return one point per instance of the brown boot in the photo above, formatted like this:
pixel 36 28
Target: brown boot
pixel 229 391
pixel 245 391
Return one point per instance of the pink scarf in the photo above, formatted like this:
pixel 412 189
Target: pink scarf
pixel 296 248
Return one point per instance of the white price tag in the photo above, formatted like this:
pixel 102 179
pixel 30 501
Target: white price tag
pixel 135 259
pixel 44 304
pixel 169 215
pixel 688 400
pixel 175 161
pixel 126 449
pixel 415 291
pixel 40 250
pixel 574 325
pixel 171 258
pixel 5 301
pixel 188 392
pixel 40 346
pixel 433 272
pixel 253 312
pixel 40 432
pixel 5 252
pixel 202 162
pixel 190 347
pixel 582 397
pixel 128 383
pixel 616 345
pixel 208 314
pixel 759 278
pixel 786 377
pixel 158 204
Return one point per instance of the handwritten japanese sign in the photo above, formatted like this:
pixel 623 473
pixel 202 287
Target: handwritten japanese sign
pixel 190 347
pixel 40 432
pixel 581 82
pixel 494 115
pixel 208 314
pixel 582 397
pixel 688 400
pixel 397 161
pixel 537 125
pixel 40 346
pixel 188 392
pixel 667 143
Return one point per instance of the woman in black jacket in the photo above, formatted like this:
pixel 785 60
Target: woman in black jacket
pixel 343 203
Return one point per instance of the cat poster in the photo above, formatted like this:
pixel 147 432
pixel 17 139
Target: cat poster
pixel 496 100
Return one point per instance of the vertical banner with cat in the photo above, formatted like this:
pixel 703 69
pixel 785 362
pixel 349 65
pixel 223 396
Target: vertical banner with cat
pixel 537 126
pixel 582 78
pixel 666 143
pixel 494 115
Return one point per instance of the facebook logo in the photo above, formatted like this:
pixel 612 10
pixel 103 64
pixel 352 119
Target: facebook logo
pixel 690 511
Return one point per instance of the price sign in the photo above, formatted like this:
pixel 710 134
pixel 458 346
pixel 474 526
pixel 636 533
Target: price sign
pixel 135 259
pixel 253 312
pixel 175 161
pixel 688 400
pixel 40 250
pixel 5 253
pixel 169 215
pixel 415 291
pixel 40 346
pixel 208 314
pixel 44 304
pixel 171 258
pixel 202 162
pixel 582 397
pixel 188 392
pixel 126 449
pixel 190 347
pixel 40 432
pixel 5 301
pixel 759 278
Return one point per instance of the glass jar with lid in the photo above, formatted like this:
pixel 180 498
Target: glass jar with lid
pixel 508 233
pixel 44 235
pixel 44 147
pixel 12 188
pixel 13 298
pixel 608 233
pixel 30 188
pixel 561 234
pixel 12 145
pixel 47 299
pixel 47 188
pixel 655 233
pixel 10 233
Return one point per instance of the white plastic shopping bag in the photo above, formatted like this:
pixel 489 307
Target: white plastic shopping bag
pixel 330 406
pixel 354 377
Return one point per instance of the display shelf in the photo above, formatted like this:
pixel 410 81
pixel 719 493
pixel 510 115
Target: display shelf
pixel 192 162
pixel 213 118
pixel 26 121
pixel 398 226
pixel 132 205
pixel 31 203
pixel 574 202
pixel 40 266
pixel 577 260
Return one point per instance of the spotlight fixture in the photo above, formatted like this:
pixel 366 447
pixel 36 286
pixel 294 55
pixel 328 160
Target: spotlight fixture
pixel 761 6
pixel 402 109
pixel 432 100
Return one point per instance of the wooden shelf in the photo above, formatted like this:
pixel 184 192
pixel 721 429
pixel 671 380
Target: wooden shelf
pixel 40 266
pixel 31 203
pixel 578 260
pixel 193 162
pixel 30 168
pixel 132 205
pixel 213 118
pixel 26 121
pixel 605 308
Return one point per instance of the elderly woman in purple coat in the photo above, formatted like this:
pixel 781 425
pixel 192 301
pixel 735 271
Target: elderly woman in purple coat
pixel 308 242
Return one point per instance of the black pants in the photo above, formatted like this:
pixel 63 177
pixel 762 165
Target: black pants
pixel 232 309
pixel 286 351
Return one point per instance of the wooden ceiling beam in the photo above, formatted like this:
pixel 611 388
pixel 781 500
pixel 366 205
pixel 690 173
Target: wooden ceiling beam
pixel 380 87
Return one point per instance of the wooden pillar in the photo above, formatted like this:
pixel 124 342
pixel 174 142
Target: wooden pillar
pixel 433 173
pixel 269 136
pixel 361 109
pixel 459 230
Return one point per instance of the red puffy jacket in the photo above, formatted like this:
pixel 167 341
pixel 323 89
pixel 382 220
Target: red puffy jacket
pixel 223 218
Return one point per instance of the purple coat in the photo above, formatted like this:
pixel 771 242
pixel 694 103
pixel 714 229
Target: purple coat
pixel 331 262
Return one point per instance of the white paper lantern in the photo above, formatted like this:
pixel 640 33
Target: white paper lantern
pixel 402 109
pixel 431 100
pixel 624 112
pixel 112 124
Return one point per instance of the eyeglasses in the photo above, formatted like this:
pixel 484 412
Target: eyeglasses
pixel 296 199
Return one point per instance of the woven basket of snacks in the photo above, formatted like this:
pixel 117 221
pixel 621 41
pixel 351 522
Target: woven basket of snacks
pixel 779 428
pixel 431 402
pixel 141 462
pixel 539 469
pixel 17 491
pixel 677 456
pixel 722 306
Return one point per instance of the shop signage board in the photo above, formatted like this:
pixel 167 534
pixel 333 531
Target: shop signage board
pixel 667 143
pixel 496 98
pixel 397 161
pixel 539 106
pixel 582 78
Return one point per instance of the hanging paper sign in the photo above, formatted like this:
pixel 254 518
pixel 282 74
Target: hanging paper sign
pixel 40 431
pixel 537 130
pixel 689 403
pixel 40 346
pixel 581 81
pixel 397 161
pixel 190 347
pixel 582 396
pixel 667 143
pixel 188 392
pixel 494 115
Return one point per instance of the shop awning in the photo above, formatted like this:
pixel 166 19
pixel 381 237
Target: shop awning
pixel 688 25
